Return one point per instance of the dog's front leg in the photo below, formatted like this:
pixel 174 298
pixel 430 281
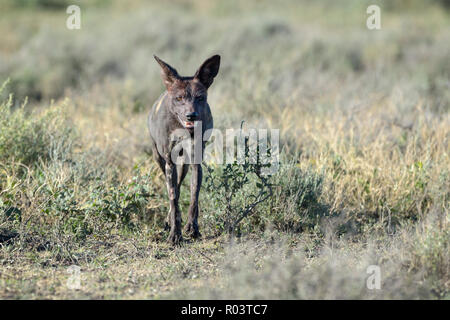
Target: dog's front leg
pixel 196 182
pixel 174 214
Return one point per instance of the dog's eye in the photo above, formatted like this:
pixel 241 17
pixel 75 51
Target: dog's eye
pixel 179 98
pixel 200 98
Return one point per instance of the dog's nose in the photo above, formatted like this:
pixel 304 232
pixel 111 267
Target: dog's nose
pixel 192 116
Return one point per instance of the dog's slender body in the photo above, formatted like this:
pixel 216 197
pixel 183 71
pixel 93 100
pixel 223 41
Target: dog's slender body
pixel 181 107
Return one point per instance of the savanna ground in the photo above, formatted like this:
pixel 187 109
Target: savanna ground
pixel 364 127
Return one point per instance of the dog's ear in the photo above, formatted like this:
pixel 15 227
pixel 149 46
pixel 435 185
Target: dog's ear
pixel 168 74
pixel 208 70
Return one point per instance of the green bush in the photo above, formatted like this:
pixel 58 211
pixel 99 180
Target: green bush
pixel 236 191
pixel 94 205
pixel 49 192
pixel 28 137
pixel 293 205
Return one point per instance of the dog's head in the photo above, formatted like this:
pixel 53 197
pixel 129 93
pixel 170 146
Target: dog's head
pixel 188 95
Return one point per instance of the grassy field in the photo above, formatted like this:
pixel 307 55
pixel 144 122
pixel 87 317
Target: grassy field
pixel 364 123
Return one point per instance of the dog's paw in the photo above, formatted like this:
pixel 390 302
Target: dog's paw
pixel 175 238
pixel 192 231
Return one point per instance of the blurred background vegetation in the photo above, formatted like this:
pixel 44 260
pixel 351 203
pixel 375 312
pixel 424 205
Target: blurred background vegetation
pixel 364 125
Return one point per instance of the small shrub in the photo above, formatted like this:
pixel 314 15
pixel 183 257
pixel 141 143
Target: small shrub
pixel 293 202
pixel 27 137
pixel 235 190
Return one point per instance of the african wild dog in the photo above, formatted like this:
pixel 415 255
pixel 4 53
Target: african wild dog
pixel 182 106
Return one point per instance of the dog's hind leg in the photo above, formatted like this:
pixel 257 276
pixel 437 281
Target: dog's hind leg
pixel 161 162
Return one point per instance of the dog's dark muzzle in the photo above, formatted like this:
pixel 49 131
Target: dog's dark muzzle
pixel 192 116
